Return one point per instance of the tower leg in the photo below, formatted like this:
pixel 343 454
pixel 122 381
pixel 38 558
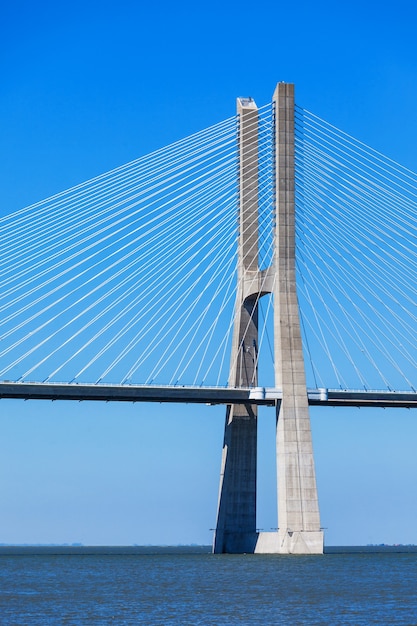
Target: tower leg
pixel 236 519
pixel 298 510
pixel 236 515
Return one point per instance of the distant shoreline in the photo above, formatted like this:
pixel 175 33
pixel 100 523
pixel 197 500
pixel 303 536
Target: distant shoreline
pixel 81 550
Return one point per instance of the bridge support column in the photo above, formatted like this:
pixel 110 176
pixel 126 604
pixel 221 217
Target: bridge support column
pixel 298 512
pixel 298 509
pixel 236 515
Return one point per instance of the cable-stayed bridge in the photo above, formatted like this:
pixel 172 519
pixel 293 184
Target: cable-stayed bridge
pixel 173 279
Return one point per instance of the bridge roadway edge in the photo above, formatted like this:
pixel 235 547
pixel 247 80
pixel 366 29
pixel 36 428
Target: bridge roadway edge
pixel 201 395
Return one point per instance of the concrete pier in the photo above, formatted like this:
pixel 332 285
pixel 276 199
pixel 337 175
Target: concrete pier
pixel 298 509
pixel 298 513
pixel 236 515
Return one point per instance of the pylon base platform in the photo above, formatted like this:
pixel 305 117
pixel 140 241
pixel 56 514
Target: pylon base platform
pixel 288 542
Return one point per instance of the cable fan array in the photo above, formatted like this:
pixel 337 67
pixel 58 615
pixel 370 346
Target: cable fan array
pixel 356 259
pixel 131 276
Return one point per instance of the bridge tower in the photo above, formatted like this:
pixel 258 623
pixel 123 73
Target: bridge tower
pixel 298 512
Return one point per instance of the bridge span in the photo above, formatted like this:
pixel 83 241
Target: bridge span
pixel 260 396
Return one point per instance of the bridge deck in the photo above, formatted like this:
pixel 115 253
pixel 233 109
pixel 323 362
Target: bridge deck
pixel 203 395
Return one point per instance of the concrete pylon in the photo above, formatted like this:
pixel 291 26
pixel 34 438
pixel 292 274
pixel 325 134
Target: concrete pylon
pixel 298 512
pixel 236 515
pixel 298 509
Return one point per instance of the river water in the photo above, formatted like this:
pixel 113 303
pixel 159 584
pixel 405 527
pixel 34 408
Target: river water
pixel 191 586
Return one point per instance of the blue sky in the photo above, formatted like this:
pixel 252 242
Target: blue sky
pixel 88 86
